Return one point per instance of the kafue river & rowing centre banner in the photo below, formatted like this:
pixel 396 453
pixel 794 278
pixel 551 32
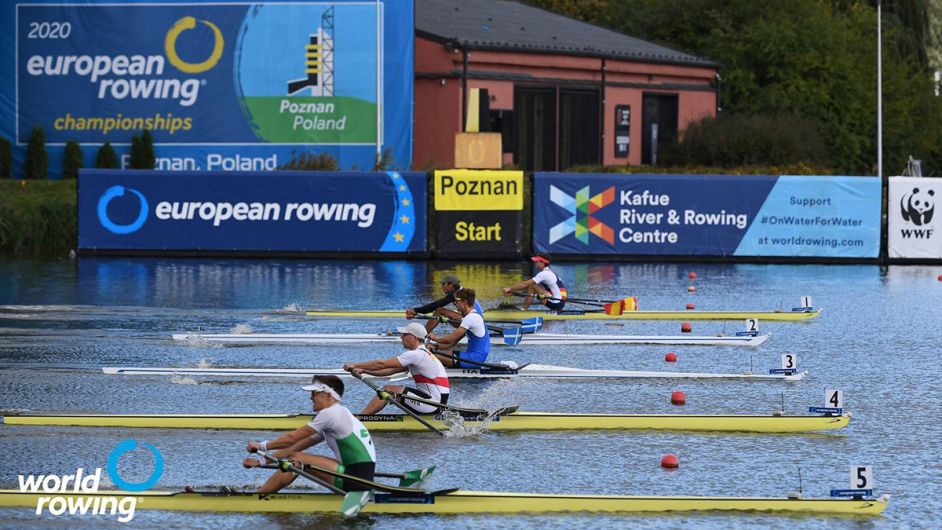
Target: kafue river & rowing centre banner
pixel 707 215
pixel 222 86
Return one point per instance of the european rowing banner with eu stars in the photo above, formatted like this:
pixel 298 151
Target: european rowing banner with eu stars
pixel 707 215
pixel 284 211
pixel 221 86
pixel 478 212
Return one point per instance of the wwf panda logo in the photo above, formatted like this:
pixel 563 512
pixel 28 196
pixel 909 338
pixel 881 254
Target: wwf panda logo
pixel 918 207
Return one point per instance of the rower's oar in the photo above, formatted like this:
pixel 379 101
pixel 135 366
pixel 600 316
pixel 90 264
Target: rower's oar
pixel 496 329
pixel 478 363
pixel 388 395
pixel 353 501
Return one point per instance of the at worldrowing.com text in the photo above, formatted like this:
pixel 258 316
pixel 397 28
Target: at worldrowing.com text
pixel 158 122
pixel 801 241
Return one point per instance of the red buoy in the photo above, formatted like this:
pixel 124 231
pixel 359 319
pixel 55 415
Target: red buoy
pixel 686 327
pixel 678 397
pixel 692 275
pixel 670 461
pixel 691 289
pixel 691 307
pixel 940 277
pixel 671 357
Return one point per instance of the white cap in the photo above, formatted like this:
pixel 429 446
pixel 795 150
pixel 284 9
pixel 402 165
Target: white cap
pixel 414 329
pixel 321 387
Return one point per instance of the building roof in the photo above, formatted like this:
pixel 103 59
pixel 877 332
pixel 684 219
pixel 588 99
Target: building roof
pixel 514 26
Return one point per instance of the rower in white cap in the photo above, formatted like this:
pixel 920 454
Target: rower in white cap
pixel 333 423
pixel 431 380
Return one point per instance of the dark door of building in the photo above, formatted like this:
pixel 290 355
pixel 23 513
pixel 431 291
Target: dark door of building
pixel 579 136
pixel 659 125
pixel 535 128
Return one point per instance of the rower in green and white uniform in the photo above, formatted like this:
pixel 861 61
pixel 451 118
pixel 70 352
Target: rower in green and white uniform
pixel 345 435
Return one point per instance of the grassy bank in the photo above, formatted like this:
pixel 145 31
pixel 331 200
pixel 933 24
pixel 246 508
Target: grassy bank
pixel 38 217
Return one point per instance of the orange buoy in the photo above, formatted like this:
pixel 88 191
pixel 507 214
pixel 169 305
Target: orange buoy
pixel 686 327
pixel 671 357
pixel 670 461
pixel 678 397
pixel 691 307
pixel 692 275
pixel 691 289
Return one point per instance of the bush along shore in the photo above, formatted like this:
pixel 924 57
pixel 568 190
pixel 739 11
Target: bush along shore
pixel 38 217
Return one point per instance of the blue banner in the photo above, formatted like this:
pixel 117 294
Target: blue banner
pixel 221 86
pixel 282 211
pixel 707 215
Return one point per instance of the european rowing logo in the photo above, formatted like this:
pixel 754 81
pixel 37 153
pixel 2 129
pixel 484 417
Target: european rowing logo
pixel 112 193
pixel 582 207
pixel 77 494
pixel 170 46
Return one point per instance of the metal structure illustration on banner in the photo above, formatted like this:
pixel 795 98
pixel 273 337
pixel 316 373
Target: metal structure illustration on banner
pixel 220 86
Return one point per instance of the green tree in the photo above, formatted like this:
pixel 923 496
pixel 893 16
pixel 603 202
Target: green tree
pixel 106 157
pixel 72 160
pixel 36 157
pixel 148 157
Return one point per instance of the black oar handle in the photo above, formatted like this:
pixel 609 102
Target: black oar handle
pixel 396 403
pixel 284 464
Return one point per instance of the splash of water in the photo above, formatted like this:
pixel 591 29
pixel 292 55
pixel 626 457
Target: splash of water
pixel 242 329
pixel 292 308
pixel 181 380
pixel 204 363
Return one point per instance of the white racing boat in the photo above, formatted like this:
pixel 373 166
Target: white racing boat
pixel 509 370
pixel 534 339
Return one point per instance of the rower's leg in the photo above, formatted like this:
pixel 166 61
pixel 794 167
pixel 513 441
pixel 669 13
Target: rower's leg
pixel 319 461
pixel 280 479
pixel 377 403
pixel 446 359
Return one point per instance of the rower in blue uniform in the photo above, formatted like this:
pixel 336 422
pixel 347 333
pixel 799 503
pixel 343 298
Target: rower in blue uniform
pixel 472 326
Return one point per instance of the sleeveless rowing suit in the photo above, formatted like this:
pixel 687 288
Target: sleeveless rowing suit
pixel 552 283
pixel 431 380
pixel 350 442
pixel 479 338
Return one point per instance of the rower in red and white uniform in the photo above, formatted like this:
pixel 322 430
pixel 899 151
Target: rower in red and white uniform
pixel 431 380
pixel 546 283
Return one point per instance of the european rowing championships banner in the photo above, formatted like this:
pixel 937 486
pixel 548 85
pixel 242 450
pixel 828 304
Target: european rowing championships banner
pixel 479 212
pixel 707 215
pixel 284 211
pixel 914 229
pixel 221 86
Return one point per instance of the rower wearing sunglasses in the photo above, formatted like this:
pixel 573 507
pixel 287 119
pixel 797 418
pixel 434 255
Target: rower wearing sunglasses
pixel 546 285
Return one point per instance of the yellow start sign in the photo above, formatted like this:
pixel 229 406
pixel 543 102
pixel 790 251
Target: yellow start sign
pixel 468 190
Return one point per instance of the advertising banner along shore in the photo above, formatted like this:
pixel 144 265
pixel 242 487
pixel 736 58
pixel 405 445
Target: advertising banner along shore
pixel 914 229
pixel 707 215
pixel 284 211
pixel 221 86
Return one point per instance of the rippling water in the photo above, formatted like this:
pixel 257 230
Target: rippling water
pixel 878 340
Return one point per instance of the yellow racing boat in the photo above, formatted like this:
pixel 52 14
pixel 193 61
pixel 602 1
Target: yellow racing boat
pixel 457 502
pixel 514 421
pixel 501 314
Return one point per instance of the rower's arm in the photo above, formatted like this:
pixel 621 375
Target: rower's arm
pixel 378 367
pixel 449 340
pixel 441 302
pixel 282 446
pixel 519 286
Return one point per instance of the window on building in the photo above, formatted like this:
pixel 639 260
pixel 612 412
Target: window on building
pixel 659 125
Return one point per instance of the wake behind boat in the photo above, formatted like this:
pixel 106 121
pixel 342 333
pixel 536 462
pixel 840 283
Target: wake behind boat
pixel 508 371
pixel 794 315
pixel 535 339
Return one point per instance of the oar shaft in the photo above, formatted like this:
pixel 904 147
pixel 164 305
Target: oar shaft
pixel 469 361
pixel 457 323
pixel 400 405
pixel 286 465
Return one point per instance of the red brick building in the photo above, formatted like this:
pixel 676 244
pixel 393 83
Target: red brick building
pixel 562 92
